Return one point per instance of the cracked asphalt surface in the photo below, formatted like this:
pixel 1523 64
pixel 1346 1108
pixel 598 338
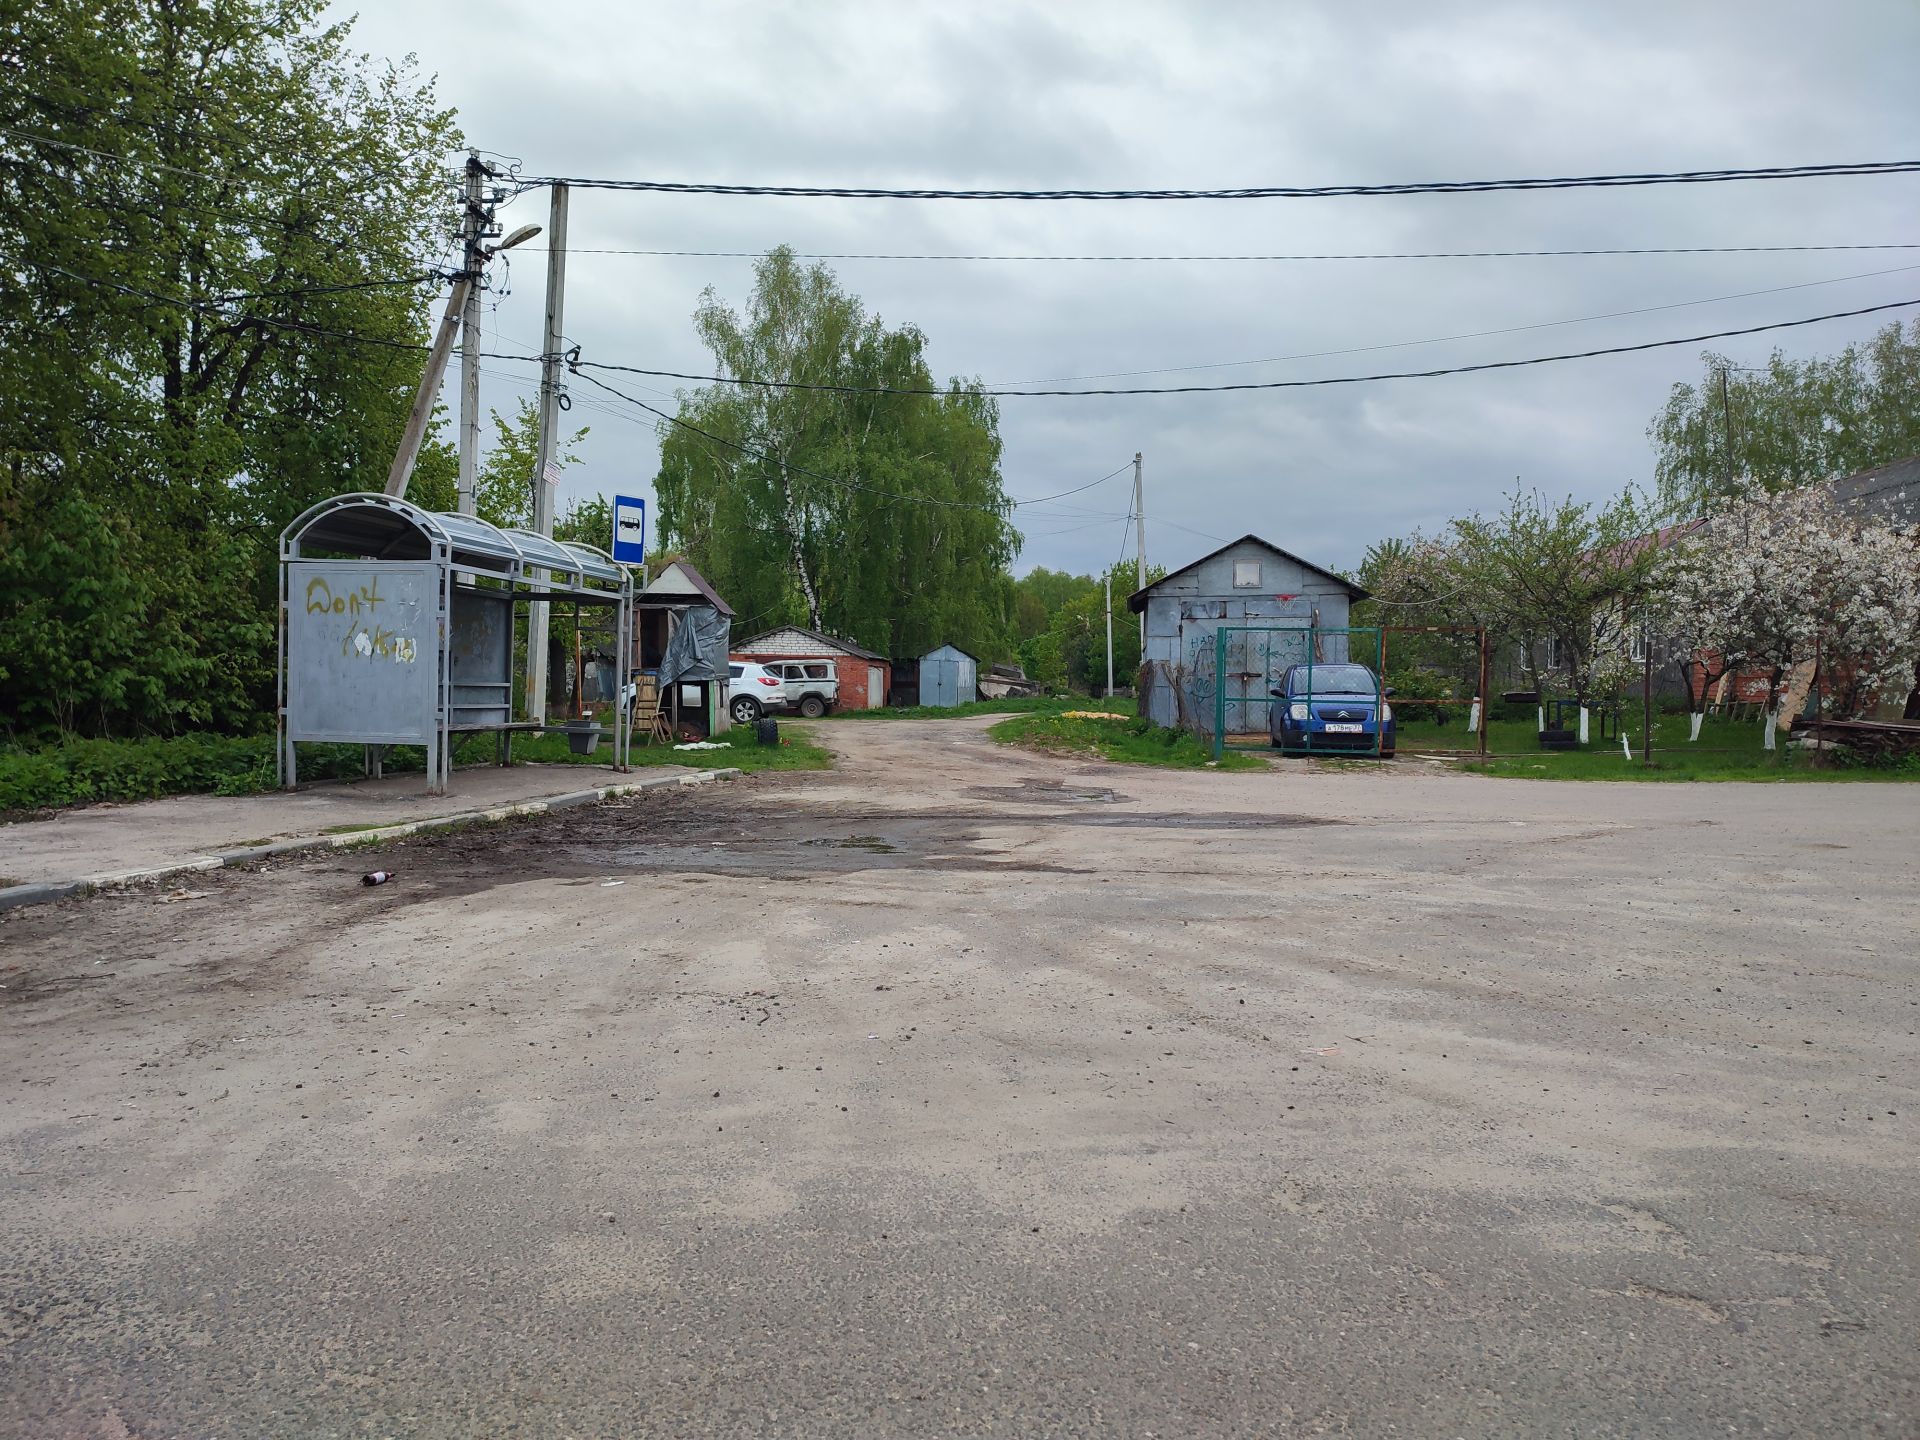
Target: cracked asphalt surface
pixel 973 1092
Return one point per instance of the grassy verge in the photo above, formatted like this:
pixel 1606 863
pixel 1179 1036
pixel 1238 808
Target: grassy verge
pixel 1726 750
pixel 1021 705
pixel 81 772
pixel 1131 742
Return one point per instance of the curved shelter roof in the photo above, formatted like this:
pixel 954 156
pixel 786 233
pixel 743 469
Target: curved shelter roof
pixel 385 527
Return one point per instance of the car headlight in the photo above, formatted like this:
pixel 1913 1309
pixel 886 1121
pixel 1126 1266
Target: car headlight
pixel 1297 710
pixel 1386 714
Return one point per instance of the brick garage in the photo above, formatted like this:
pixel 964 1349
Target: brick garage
pixel 865 677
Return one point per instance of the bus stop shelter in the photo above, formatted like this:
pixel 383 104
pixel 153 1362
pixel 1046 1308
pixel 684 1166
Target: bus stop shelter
pixel 398 626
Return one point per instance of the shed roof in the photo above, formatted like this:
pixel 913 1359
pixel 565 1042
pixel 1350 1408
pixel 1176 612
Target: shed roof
pixel 956 650
pixel 1891 492
pixel 1137 601
pixel 825 641
pixel 681 584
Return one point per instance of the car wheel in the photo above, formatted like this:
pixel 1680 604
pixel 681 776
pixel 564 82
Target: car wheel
pixel 767 732
pixel 1386 754
pixel 744 710
pixel 813 707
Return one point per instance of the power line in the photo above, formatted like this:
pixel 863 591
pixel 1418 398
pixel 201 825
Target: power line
pixel 1186 259
pixel 1464 335
pixel 1042 500
pixel 761 455
pixel 1254 192
pixel 1264 384
pixel 303 327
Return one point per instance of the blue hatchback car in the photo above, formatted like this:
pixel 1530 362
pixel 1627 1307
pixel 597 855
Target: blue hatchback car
pixel 1327 709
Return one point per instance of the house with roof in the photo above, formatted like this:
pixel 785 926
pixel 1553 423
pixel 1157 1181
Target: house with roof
pixel 1297 610
pixel 864 676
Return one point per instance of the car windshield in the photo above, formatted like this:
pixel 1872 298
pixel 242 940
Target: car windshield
pixel 1333 680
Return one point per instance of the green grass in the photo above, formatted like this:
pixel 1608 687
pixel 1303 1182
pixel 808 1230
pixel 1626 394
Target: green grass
pixel 1020 705
pixel 796 751
pixel 82 772
pixel 1130 742
pixel 1726 750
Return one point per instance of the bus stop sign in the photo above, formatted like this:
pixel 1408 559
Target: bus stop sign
pixel 629 530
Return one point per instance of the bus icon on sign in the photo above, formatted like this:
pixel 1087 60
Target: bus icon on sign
pixel 629 529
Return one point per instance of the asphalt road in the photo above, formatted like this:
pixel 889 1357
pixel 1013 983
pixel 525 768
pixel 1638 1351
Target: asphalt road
pixel 962 1092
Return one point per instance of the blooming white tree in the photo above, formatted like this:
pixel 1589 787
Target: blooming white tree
pixel 1789 579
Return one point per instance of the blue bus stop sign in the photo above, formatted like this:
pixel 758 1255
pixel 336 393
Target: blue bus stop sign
pixel 629 529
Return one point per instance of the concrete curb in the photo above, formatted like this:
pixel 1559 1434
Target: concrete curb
pixel 41 892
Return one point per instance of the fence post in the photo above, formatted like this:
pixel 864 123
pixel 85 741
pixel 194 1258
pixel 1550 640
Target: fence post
pixel 1219 691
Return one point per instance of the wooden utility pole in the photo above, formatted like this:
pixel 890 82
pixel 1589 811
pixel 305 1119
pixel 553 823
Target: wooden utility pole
pixel 550 359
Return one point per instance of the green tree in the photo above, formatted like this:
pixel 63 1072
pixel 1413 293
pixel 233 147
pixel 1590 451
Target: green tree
pixel 880 516
pixel 208 320
pixel 503 483
pixel 1791 423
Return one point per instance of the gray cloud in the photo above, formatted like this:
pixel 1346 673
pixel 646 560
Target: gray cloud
pixel 1143 94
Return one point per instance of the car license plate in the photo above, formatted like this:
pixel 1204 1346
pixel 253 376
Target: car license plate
pixel 1341 728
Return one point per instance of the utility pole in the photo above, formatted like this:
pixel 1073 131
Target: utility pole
pixel 1140 547
pixel 1109 632
pixel 543 454
pixel 475 221
pixel 463 311
pixel 423 398
pixel 1726 429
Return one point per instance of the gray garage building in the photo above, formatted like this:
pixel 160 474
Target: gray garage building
pixel 1252 583
pixel 947 676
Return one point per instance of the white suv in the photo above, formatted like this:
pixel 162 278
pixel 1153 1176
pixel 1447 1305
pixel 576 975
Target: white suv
pixel 752 690
pixel 812 686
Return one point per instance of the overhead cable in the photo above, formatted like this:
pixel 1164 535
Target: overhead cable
pixel 1249 192
pixel 1189 259
pixel 1262 384
pixel 1462 335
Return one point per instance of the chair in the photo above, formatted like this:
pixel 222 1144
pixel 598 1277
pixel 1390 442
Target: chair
pixel 648 723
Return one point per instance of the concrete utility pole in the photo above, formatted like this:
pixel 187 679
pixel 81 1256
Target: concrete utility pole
pixel 422 412
pixel 1109 632
pixel 543 455
pixel 1140 547
pixel 463 309
pixel 1726 428
pixel 476 220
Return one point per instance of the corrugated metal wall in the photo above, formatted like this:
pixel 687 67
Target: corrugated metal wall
pixel 1185 610
pixel 948 676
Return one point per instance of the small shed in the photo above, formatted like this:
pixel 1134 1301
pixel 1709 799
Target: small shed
pixel 1299 611
pixel 864 676
pixel 397 627
pixel 681 629
pixel 945 677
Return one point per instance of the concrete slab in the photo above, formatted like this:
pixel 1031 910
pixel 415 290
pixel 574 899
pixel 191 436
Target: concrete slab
pixel 119 843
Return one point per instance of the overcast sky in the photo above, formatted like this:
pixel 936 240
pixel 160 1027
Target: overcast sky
pixel 1112 95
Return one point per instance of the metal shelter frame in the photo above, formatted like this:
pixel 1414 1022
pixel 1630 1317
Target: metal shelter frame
pixel 440 555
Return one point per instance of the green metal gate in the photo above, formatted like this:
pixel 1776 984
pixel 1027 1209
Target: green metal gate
pixel 1248 660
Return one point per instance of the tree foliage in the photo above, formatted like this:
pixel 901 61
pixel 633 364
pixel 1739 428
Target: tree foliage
pixel 218 193
pixel 1784 580
pixel 878 516
pixel 1791 423
pixel 1567 581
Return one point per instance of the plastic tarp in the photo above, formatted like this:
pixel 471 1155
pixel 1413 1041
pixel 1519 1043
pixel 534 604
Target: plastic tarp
pixel 698 649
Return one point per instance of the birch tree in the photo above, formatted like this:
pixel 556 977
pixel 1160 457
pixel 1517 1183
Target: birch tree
pixel 828 501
